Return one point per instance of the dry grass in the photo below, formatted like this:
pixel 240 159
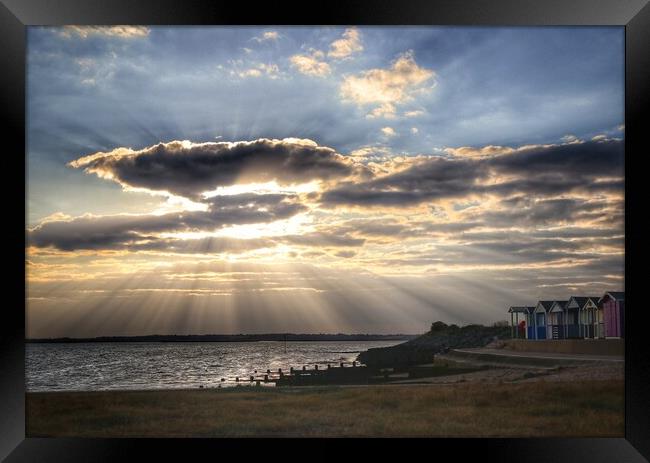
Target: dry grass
pixel 589 408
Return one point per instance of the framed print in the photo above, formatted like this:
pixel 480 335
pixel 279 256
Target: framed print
pixel 381 220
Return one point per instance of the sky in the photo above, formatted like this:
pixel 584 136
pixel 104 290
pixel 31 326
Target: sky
pixel 194 180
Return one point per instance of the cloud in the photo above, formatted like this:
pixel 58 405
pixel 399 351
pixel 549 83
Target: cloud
pixel 266 36
pixel 142 231
pixel 346 46
pixel 252 72
pixel 570 138
pixel 345 254
pixel 577 160
pixel 374 152
pixel 414 113
pixel 468 151
pixel 414 130
pixel 386 110
pixel 208 245
pixel 527 211
pixel 146 233
pixel 123 32
pixel 398 84
pixel 323 239
pixel 391 227
pixel 189 169
pixel 388 131
pixel 270 70
pixel 434 178
pixel 311 65
pixel 594 166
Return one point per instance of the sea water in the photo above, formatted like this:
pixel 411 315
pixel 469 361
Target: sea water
pixel 175 365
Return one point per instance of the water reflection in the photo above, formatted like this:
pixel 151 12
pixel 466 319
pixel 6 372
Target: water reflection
pixel 104 366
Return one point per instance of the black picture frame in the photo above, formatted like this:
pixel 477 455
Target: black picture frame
pixel 15 15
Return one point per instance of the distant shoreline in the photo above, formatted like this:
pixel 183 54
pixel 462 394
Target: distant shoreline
pixel 229 338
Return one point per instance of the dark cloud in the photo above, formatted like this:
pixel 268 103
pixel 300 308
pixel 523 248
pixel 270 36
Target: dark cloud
pixel 138 231
pixel 345 254
pixel 494 253
pixel 142 232
pixel 595 166
pixel 563 233
pixel 323 239
pixel 544 184
pixel 433 228
pixel 587 159
pixel 388 227
pixel 529 211
pixel 436 178
pixel 189 169
pixel 507 247
pixel 371 227
pixel 578 232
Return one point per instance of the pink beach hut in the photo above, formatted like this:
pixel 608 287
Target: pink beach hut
pixel 613 304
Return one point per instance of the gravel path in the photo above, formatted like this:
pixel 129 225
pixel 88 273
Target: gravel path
pixel 543 355
pixel 597 372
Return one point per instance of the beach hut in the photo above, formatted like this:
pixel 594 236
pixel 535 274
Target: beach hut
pixel 555 320
pixel 591 318
pixel 525 313
pixel 539 318
pixel 576 309
pixel 530 322
pixel 613 308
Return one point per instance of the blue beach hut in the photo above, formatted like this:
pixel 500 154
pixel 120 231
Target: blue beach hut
pixel 540 315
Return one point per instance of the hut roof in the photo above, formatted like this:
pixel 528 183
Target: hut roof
pixel 582 300
pixel 521 309
pixel 562 304
pixel 616 295
pixel 546 304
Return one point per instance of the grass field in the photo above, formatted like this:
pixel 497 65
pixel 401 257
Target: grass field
pixel 589 408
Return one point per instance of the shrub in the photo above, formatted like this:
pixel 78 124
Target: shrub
pixel 438 326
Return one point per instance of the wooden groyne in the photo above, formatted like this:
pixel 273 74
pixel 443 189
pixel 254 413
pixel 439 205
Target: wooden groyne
pixel 339 373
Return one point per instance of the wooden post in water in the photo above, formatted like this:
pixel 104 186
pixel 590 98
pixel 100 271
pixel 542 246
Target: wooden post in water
pixel 304 368
pixel 341 364
pixel 316 367
pixel 252 378
pixel 266 378
pixel 236 379
pixel 354 364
